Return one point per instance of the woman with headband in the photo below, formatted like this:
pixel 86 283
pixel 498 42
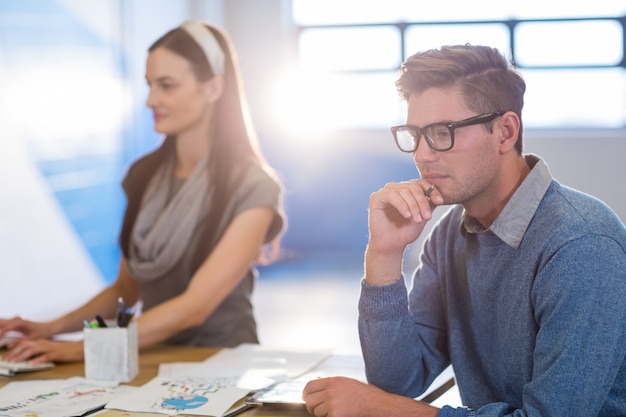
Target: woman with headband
pixel 202 209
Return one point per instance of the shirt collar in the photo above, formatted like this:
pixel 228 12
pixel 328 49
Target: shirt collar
pixel 512 222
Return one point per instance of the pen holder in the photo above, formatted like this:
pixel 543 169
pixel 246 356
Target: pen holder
pixel 111 353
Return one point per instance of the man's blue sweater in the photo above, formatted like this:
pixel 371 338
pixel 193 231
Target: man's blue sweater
pixel 533 327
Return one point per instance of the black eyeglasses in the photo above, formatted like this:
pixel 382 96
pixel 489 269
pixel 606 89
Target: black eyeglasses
pixel 439 136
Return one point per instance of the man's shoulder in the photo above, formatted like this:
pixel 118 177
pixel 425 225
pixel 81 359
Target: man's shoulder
pixel 567 209
pixel 583 206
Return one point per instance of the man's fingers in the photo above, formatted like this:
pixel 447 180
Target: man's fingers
pixel 410 199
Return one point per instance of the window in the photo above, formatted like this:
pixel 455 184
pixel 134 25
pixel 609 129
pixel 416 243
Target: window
pixel 572 58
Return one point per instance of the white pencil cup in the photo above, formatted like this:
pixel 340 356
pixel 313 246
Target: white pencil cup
pixel 111 353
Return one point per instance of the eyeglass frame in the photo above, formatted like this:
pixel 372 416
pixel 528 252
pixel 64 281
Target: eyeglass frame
pixel 451 126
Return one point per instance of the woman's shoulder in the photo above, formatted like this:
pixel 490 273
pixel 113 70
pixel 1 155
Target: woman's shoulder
pixel 256 186
pixel 143 167
pixel 254 174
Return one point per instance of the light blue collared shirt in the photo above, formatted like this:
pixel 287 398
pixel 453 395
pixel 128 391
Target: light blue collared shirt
pixel 511 224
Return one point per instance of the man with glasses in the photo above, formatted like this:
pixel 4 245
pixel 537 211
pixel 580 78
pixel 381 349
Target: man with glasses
pixel 521 285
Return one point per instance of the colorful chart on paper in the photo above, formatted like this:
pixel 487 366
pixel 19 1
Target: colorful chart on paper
pixel 208 396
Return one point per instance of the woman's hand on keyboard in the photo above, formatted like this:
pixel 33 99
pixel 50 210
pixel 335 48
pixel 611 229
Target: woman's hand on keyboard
pixel 28 329
pixel 43 350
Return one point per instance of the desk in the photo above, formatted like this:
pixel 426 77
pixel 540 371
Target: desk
pixel 149 360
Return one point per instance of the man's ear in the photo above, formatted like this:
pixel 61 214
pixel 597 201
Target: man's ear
pixel 509 128
pixel 214 88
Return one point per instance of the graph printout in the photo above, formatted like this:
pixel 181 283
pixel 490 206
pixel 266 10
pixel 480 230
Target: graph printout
pixel 207 396
pixel 58 398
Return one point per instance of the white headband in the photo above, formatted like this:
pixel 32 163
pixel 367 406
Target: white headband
pixel 205 39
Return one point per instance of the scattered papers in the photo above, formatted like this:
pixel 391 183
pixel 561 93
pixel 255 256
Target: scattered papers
pixel 57 398
pixel 208 388
pixel 182 395
pixel 286 392
pixel 251 366
pixel 351 366
pixel 250 356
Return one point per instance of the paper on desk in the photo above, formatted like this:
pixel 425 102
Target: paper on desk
pixel 57 398
pixel 15 388
pixel 351 366
pixel 251 366
pixel 294 362
pixel 206 396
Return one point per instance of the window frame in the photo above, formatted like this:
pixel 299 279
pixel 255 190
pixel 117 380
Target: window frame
pixel 512 53
pixel 511 24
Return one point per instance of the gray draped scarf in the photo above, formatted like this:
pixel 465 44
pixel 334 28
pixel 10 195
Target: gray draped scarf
pixel 165 224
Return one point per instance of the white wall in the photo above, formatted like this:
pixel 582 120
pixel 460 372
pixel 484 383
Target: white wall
pixel 592 162
pixel 41 257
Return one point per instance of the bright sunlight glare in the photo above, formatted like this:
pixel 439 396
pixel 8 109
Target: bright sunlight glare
pixel 60 104
pixel 302 103
pixel 348 72
pixel 308 103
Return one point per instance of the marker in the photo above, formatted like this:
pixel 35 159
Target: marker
pixel 120 311
pixel 100 320
pixel 126 318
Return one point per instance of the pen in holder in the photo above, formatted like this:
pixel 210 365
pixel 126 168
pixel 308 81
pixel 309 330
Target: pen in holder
pixel 111 353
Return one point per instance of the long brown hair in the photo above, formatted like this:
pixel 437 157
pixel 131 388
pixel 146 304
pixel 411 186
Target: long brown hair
pixel 236 143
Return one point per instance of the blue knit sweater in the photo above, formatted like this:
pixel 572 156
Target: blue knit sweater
pixel 533 329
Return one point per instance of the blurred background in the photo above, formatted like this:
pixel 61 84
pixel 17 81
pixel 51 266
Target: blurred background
pixel 319 76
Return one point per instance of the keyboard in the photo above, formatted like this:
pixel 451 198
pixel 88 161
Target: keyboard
pixel 9 337
pixel 11 368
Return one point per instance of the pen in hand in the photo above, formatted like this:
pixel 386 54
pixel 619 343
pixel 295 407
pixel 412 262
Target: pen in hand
pixel 429 191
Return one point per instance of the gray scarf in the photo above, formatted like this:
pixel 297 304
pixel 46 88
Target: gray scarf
pixel 165 225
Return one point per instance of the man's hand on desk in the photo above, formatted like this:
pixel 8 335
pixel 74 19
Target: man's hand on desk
pixel 43 350
pixel 345 397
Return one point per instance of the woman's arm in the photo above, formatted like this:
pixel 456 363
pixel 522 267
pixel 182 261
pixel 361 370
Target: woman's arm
pixel 218 276
pixel 36 347
pixel 104 303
